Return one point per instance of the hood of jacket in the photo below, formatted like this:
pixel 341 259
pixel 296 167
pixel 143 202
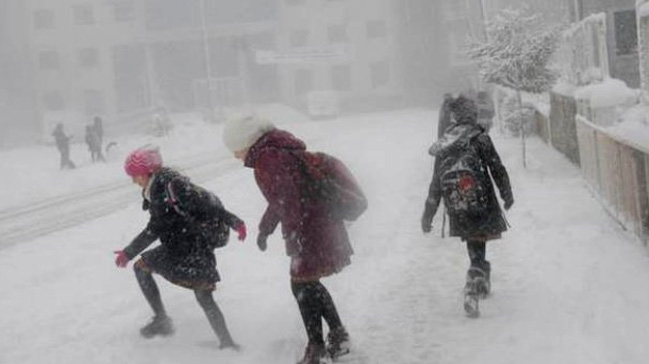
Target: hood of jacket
pixel 276 138
pixel 457 136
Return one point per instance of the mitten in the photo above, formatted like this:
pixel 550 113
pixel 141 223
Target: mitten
pixel 261 242
pixel 121 260
pixel 508 203
pixel 240 228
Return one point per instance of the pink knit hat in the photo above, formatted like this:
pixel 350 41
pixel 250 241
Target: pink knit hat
pixel 142 162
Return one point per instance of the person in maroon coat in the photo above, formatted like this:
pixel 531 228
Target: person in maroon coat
pixel 316 242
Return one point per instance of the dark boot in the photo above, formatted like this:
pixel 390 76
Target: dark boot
pixel 480 279
pixel 338 342
pixel 471 298
pixel 311 310
pixel 216 319
pixel 159 326
pixel 314 353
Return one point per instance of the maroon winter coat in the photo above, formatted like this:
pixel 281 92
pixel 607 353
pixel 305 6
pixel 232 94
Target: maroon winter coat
pixel 317 243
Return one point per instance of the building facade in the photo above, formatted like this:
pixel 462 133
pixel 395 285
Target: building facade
pixel 622 34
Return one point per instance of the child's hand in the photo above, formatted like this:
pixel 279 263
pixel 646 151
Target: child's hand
pixel 121 260
pixel 240 228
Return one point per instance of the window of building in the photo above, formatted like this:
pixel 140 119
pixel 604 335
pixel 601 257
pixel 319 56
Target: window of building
pixel 88 57
pixel 83 14
pixel 376 29
pixel 337 33
pixel 48 60
pixel 124 11
pixel 299 38
pixel 380 73
pixel 303 81
pixel 341 77
pixel 626 36
pixel 94 101
pixel 43 19
pixel 53 101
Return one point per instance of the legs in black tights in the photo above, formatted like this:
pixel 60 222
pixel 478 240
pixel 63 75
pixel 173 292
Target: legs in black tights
pixel 315 303
pixel 149 289
pixel 215 317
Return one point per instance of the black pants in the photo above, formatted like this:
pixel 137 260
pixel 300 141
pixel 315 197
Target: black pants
pixel 315 303
pixel 477 250
pixel 204 297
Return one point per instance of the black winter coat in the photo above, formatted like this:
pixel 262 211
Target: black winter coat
pixel 486 226
pixel 184 256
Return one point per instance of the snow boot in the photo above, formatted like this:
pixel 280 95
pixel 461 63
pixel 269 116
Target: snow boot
pixel 471 298
pixel 338 342
pixel 315 353
pixel 482 281
pixel 159 325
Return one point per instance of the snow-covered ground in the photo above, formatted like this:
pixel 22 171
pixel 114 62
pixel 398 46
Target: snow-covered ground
pixel 569 286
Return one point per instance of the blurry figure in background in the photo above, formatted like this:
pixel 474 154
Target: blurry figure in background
pixel 98 125
pixel 190 223
pixel 314 233
pixel 94 144
pixel 63 145
pixel 486 110
pixel 160 122
pixel 465 162
pixel 444 118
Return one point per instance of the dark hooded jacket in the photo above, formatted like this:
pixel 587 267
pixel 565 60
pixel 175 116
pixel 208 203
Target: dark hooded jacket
pixel 316 242
pixel 491 224
pixel 184 256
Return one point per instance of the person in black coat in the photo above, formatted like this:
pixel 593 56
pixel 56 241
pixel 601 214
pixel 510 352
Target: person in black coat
pixel 63 145
pixel 444 117
pixel 474 229
pixel 188 220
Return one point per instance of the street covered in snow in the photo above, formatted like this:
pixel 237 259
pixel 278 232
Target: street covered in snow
pixel 568 282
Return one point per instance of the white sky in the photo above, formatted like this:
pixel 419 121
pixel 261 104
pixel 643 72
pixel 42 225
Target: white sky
pixel 568 283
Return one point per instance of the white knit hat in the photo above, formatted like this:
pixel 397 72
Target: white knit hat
pixel 240 133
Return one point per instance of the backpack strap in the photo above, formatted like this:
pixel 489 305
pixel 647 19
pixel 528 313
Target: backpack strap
pixel 172 199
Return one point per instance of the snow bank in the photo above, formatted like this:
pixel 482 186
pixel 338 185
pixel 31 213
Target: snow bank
pixel 564 88
pixel 610 92
pixel 633 127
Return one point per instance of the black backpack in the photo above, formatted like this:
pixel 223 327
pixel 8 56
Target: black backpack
pixel 215 231
pixel 463 181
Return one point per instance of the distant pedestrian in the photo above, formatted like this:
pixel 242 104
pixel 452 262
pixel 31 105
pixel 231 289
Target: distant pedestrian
pixel 94 146
pixel 486 110
pixel 190 222
pixel 465 162
pixel 444 119
pixel 98 125
pixel 63 145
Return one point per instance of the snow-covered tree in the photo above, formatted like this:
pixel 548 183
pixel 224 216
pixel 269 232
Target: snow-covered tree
pixel 516 54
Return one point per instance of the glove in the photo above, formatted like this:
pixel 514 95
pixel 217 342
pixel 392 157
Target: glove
pixel 240 228
pixel 509 203
pixel 261 242
pixel 427 222
pixel 121 260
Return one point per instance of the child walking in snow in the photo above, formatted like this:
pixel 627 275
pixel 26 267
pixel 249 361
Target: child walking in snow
pixel 315 240
pixel 190 222
pixel 465 157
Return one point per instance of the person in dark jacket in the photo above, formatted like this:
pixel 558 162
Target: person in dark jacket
pixel 316 242
pixel 63 145
pixel 185 218
pixel 486 110
pixel 475 230
pixel 444 117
